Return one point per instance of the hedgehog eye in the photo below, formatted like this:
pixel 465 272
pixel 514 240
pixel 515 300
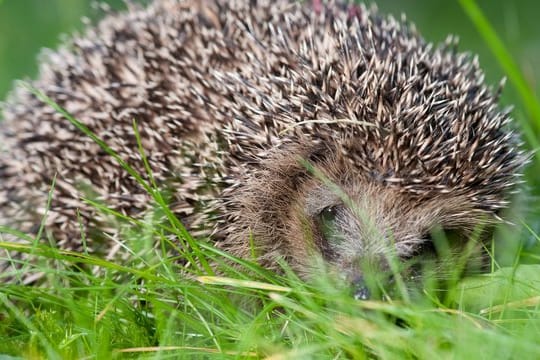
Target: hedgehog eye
pixel 327 225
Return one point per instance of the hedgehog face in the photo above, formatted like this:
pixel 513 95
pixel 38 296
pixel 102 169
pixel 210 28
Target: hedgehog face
pixel 357 224
pixel 306 204
pixel 359 229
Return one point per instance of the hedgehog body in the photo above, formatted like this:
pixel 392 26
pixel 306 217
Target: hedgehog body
pixel 252 115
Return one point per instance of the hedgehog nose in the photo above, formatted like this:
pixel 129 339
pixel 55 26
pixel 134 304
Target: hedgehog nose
pixel 360 290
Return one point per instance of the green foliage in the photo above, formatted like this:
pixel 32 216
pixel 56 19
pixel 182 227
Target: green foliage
pixel 163 311
pixel 531 127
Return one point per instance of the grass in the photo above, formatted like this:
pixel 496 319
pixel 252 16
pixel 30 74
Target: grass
pixel 530 127
pixel 159 307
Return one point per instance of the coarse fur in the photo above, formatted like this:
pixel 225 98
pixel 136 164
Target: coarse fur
pixel 260 117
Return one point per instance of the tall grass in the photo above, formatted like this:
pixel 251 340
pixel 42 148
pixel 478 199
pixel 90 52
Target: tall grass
pixel 157 306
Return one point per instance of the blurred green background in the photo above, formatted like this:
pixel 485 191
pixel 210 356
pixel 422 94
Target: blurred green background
pixel 27 26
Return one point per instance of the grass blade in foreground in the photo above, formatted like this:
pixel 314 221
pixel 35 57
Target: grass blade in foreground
pixel 511 69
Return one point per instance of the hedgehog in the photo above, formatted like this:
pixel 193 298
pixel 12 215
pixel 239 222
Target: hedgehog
pixel 283 129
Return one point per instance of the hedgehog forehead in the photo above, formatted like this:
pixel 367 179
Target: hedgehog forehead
pixel 369 216
pixel 369 212
pixel 423 170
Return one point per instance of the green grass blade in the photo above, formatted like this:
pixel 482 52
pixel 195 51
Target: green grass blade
pixel 510 67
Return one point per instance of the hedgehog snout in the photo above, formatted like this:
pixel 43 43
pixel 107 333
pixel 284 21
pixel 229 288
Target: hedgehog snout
pixel 360 289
